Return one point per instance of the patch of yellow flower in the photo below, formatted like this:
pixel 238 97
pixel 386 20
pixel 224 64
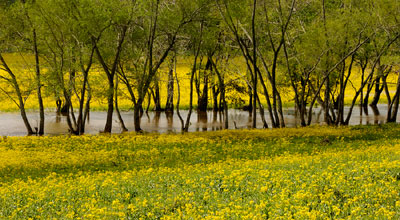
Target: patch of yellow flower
pixel 221 175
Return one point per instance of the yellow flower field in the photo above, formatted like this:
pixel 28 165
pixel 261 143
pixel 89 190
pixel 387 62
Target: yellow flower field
pixel 307 173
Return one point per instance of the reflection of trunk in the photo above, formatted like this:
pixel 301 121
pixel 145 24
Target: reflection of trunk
pixel 202 119
pixel 20 102
pixel 170 119
pixel 156 119
pixel 121 120
pixel 214 126
pixel 38 84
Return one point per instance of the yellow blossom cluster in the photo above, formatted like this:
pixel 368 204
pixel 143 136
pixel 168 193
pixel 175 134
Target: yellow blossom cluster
pixel 308 173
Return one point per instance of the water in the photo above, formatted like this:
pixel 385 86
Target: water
pixel 11 124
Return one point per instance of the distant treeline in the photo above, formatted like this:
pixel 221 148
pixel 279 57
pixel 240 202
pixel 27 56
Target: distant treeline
pixel 325 52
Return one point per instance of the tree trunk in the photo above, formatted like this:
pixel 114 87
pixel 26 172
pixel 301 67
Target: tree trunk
pixel 169 106
pixel 203 101
pixel 39 86
pixel 215 98
pixel 394 105
pixel 137 114
pixel 121 120
pixel 157 97
pixel 378 92
pixel 179 97
pixel 253 24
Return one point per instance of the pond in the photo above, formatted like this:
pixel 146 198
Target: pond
pixel 11 124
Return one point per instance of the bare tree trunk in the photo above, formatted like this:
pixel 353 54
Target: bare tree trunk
pixel 137 115
pixel 157 97
pixel 215 98
pixel 203 100
pixel 169 106
pixel 121 120
pixel 38 84
pixel 394 105
pixel 262 114
pixel 86 116
pixel 254 122
pixel 179 97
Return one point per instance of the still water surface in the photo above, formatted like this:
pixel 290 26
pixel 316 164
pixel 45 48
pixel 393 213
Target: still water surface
pixel 11 124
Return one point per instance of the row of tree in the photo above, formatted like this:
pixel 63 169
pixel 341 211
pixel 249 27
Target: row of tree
pixel 314 47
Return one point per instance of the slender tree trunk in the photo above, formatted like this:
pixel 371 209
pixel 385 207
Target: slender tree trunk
pixel 253 24
pixel 250 105
pixel 394 105
pixel 38 84
pixel 121 120
pixel 262 114
pixel 110 106
pixel 137 114
pixel 157 97
pixel 179 96
pixel 266 94
pixel 169 106
pixel 215 98
pixel 203 100
pixel 86 116
pixel 186 127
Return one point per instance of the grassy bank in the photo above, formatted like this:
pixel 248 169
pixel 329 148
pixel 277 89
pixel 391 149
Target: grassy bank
pixel 308 173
